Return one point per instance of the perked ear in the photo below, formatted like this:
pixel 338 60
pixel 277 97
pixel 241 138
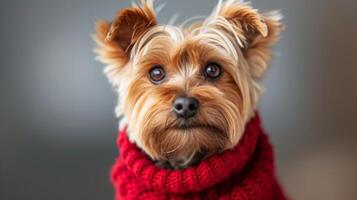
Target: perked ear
pixel 256 31
pixel 115 39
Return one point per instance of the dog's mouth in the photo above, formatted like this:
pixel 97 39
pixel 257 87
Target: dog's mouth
pixel 187 127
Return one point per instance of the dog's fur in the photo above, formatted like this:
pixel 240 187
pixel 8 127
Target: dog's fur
pixel 235 36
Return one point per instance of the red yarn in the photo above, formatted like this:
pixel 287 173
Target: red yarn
pixel 245 172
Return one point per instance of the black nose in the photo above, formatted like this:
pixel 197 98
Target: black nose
pixel 185 107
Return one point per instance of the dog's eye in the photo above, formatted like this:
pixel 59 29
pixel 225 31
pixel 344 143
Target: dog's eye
pixel 212 71
pixel 157 74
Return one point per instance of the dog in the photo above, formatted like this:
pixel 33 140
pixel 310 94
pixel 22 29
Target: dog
pixel 187 93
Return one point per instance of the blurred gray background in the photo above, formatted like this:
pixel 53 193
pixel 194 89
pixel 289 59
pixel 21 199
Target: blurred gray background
pixel 57 125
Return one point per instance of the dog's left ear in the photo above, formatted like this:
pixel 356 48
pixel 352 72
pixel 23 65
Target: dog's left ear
pixel 115 39
pixel 256 31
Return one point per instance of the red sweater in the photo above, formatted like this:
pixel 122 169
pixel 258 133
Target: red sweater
pixel 245 172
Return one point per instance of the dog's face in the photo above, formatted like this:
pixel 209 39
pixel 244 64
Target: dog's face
pixel 187 92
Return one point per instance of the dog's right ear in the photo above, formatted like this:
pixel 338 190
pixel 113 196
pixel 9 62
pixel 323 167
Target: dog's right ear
pixel 115 39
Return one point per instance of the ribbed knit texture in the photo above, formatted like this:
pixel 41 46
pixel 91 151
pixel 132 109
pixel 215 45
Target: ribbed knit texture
pixel 245 172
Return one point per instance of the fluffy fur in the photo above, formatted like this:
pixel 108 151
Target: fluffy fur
pixel 235 36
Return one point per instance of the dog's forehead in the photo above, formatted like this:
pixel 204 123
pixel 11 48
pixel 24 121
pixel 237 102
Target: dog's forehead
pixel 182 48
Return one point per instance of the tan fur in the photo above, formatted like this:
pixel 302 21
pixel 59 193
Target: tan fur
pixel 235 36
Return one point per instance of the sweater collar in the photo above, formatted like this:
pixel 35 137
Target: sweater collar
pixel 209 172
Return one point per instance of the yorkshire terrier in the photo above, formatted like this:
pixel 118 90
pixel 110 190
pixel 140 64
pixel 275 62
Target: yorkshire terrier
pixel 186 92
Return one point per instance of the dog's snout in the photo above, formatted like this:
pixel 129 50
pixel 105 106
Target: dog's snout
pixel 185 107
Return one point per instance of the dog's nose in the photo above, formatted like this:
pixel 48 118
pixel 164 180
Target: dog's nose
pixel 185 107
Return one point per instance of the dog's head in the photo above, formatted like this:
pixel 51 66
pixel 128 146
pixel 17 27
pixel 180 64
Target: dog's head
pixel 187 90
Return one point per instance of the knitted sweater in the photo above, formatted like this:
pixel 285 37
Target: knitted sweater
pixel 244 172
